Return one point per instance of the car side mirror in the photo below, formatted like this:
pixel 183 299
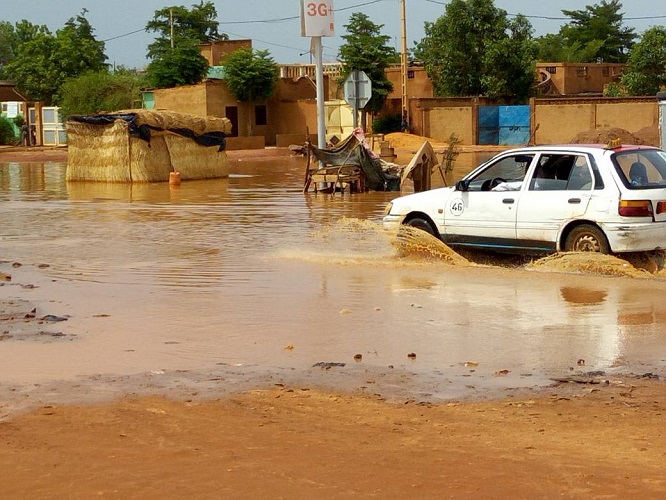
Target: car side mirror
pixel 462 185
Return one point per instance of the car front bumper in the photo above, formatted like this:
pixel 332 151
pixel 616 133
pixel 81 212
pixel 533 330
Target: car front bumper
pixel 392 222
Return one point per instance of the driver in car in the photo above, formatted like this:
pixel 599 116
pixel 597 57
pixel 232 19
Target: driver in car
pixel 508 186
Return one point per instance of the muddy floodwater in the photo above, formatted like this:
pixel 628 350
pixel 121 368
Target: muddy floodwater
pixel 248 279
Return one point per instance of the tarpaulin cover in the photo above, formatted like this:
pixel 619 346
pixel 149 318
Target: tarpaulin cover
pixel 143 130
pixel 355 151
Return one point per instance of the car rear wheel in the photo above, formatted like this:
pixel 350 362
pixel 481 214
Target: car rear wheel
pixel 421 224
pixel 586 238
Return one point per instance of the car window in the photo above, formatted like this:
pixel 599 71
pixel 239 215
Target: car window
pixel 642 169
pixel 505 174
pixel 560 172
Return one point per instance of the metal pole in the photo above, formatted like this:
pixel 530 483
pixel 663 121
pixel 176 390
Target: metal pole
pixel 319 80
pixel 403 65
pixel 171 23
pixel 355 79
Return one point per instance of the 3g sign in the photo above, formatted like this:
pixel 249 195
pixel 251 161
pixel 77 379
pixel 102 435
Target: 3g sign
pixel 317 18
pixel 319 9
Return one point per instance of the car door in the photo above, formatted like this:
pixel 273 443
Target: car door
pixel 484 214
pixel 559 189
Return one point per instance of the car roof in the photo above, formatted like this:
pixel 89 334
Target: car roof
pixel 586 148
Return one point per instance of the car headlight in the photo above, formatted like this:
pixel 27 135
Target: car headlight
pixel 387 209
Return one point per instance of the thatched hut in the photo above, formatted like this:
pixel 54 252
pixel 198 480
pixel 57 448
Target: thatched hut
pixel 146 146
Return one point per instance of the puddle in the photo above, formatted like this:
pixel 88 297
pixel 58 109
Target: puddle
pixel 229 273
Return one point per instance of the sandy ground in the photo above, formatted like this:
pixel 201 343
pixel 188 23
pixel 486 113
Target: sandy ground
pixel 587 437
pixel 589 441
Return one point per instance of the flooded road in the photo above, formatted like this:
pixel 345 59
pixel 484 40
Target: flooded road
pixel 250 274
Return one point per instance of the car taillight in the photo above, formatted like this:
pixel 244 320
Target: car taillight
pixel 661 207
pixel 635 208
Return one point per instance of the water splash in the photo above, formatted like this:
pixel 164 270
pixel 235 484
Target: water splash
pixel 416 243
pixel 587 263
pixel 360 241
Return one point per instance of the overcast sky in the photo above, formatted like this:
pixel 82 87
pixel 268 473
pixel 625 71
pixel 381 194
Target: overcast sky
pixel 274 24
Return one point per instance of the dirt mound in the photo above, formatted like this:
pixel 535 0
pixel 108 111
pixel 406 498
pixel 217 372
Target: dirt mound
pixel 587 263
pixel 648 136
pixel 603 135
pixel 402 140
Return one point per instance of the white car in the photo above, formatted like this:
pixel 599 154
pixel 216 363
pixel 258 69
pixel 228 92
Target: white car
pixel 549 198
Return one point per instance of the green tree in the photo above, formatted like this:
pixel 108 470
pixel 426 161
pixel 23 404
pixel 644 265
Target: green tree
pixel 554 48
pixel 594 33
pixel 182 65
pixel 251 76
pixel 510 62
pixel 7 135
pixel 11 37
pixel 366 49
pixel 100 91
pixel 175 55
pixel 78 48
pixel 198 25
pixel 473 49
pixel 42 62
pixel 7 45
pixel 646 69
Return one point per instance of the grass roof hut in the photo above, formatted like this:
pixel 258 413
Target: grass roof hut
pixel 146 146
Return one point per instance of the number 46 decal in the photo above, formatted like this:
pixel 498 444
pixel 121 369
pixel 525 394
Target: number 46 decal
pixel 457 207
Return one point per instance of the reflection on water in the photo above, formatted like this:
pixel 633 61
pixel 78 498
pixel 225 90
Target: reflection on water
pixel 583 296
pixel 232 270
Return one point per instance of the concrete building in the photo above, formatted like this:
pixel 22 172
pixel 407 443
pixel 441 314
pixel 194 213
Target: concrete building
pixel 577 78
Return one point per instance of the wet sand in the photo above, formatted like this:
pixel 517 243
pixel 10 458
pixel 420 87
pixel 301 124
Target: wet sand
pixel 330 431
pixel 597 441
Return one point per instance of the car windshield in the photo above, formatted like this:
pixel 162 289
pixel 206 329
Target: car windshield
pixel 642 168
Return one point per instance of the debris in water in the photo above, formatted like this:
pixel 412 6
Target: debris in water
pixel 289 347
pixel 327 364
pixel 52 334
pixel 412 355
pixel 576 379
pixel 53 318
pixel 358 357
pixel 502 373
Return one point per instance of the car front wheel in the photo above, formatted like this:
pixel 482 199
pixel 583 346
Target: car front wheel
pixel 586 238
pixel 421 224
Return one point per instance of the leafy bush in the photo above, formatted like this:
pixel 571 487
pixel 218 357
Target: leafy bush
pixel 387 124
pixel 614 89
pixel 7 135
pixel 99 92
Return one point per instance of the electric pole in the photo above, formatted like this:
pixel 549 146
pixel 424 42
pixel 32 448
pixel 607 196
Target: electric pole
pixel 171 23
pixel 403 67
